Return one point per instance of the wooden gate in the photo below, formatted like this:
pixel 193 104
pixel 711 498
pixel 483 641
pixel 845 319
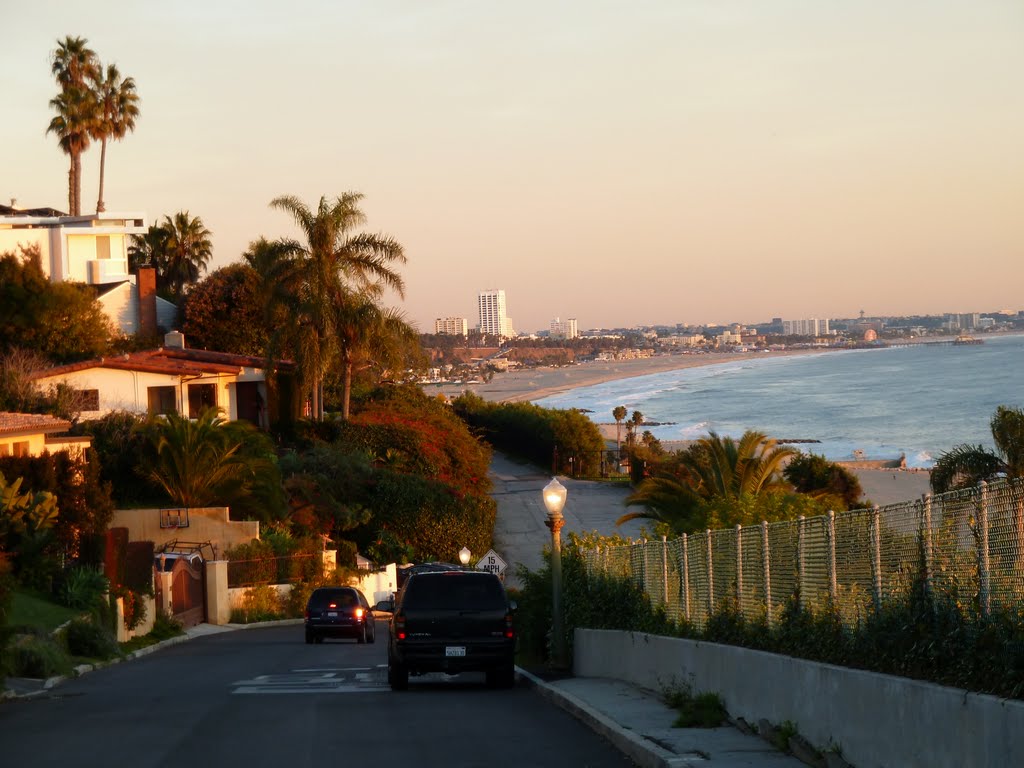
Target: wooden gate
pixel 188 591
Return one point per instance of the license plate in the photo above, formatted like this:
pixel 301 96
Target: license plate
pixel 455 650
pixel 332 614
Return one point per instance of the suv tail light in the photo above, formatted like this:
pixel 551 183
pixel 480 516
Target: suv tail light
pixel 358 613
pixel 400 626
pixel 510 631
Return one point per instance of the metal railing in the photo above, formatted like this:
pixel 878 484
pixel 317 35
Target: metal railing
pixel 967 546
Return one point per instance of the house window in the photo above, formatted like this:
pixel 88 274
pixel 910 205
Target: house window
pixel 103 247
pixel 88 399
pixel 162 400
pixel 5 449
pixel 21 449
pixel 200 397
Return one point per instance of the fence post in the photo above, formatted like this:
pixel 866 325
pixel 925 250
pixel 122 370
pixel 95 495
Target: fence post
pixel 643 565
pixel 984 585
pixel 926 542
pixel 711 575
pixel 833 587
pixel 664 568
pixel 876 558
pixel 685 580
pixel 801 554
pixel 739 566
pixel 766 563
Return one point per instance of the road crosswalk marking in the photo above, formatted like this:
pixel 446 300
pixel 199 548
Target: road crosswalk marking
pixel 329 680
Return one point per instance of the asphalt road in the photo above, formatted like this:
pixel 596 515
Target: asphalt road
pixel 263 697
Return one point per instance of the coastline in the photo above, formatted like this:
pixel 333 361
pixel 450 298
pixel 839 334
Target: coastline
pixel 527 385
pixel 880 486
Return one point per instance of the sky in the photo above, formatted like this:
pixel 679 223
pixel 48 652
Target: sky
pixel 622 163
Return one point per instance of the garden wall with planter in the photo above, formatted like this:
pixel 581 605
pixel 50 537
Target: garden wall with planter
pixel 874 720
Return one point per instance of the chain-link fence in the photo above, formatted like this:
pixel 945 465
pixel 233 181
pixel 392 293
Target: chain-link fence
pixel 965 545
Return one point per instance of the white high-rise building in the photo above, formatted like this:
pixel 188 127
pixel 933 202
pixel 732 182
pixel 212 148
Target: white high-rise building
pixel 451 326
pixel 493 318
pixel 810 327
pixel 564 329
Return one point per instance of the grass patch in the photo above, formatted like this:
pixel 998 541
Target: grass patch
pixel 32 610
pixel 702 710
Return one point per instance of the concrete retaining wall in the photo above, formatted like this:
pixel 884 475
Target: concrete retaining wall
pixel 875 720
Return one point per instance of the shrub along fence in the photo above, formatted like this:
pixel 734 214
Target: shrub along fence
pixel 964 549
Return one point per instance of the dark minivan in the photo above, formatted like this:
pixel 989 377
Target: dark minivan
pixel 452 621
pixel 339 612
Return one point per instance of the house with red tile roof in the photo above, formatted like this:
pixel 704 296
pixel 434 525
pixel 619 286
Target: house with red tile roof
pixel 33 434
pixel 170 379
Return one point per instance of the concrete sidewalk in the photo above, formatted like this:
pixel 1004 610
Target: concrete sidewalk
pixel 639 724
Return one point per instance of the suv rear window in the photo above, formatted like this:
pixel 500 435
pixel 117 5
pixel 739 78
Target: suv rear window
pixel 454 591
pixel 344 598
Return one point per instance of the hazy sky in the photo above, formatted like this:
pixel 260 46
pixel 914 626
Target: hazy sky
pixel 622 163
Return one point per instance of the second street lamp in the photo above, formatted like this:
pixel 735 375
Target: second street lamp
pixel 554 499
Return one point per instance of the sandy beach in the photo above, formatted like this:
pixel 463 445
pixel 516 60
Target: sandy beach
pixel 537 383
pixel 880 486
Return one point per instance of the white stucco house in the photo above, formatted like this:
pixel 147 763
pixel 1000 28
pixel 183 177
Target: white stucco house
pixel 171 379
pixel 33 434
pixel 92 249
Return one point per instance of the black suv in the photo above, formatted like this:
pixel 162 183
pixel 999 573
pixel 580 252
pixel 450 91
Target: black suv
pixel 339 612
pixel 452 621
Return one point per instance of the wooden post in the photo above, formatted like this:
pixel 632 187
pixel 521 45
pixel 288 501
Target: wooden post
pixel 926 543
pixel 833 587
pixel 739 566
pixel 876 558
pixel 801 551
pixel 984 583
pixel 685 578
pixel 711 575
pixel 766 563
pixel 664 569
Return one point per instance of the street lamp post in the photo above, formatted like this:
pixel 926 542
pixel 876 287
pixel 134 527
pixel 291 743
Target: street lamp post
pixel 464 555
pixel 554 499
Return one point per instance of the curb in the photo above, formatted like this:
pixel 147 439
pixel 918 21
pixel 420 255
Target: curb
pixel 638 749
pixel 82 669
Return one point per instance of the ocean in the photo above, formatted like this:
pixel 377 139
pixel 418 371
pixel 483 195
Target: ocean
pixel 916 401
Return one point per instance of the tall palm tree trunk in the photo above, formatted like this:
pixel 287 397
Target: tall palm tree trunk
pixel 100 207
pixel 71 187
pixel 346 395
pixel 76 206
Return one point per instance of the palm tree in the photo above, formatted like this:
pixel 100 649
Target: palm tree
pixel 966 465
pixel 335 262
pixel 204 461
pixel 188 249
pixel 712 468
pixel 618 413
pixel 368 335
pixel 275 265
pixel 73 65
pixel 118 106
pixel 635 420
pixel 149 250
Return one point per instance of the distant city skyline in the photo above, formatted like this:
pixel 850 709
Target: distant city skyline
pixel 631 164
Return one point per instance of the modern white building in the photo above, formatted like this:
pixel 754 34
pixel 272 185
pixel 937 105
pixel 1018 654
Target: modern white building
pixel 810 327
pixel 451 326
pixel 564 329
pixel 494 319
pixel 93 250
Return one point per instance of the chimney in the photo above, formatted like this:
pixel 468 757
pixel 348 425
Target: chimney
pixel 174 340
pixel 145 281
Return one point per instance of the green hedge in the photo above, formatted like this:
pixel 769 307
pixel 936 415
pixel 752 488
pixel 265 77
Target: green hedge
pixel 541 435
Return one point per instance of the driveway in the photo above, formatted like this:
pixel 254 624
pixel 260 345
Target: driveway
pixel 519 531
